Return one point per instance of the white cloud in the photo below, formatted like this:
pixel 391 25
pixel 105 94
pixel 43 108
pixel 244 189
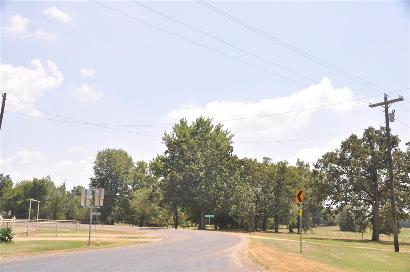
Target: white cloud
pixel 88 92
pixel 27 164
pixel 87 72
pixel 25 85
pixel 18 26
pixel 280 115
pixel 57 14
pixel 312 154
pixel 23 157
pixel 44 35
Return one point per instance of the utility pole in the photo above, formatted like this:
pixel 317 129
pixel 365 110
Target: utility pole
pixel 387 116
pixel 3 105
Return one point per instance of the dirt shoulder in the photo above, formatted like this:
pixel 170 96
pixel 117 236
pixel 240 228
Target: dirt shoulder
pixel 275 260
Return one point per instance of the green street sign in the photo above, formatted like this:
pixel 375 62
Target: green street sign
pixel 209 215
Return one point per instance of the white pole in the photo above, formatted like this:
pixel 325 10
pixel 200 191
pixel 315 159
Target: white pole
pixel 38 209
pixel 89 228
pixel 29 213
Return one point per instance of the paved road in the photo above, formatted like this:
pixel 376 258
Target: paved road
pixel 182 250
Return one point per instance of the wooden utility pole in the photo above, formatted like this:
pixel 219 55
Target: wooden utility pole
pixel 386 104
pixel 3 105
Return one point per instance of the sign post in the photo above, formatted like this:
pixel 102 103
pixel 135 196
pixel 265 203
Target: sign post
pixel 209 216
pixel 86 202
pixel 300 198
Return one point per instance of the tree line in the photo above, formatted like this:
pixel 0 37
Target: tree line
pixel 199 174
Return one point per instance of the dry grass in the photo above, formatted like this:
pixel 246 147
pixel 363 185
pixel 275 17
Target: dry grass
pixel 45 239
pixel 327 249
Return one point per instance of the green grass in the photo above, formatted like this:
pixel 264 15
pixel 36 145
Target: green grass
pixel 19 247
pixel 338 249
pixel 44 240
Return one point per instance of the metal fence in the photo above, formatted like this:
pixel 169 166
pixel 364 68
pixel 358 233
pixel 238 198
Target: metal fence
pixel 30 226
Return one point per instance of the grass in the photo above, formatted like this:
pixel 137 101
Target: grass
pixel 45 240
pixel 328 249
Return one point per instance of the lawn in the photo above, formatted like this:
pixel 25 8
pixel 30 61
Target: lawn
pixel 328 249
pixel 45 240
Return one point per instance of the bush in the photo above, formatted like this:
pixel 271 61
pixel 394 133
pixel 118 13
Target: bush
pixel 6 235
pixel 346 219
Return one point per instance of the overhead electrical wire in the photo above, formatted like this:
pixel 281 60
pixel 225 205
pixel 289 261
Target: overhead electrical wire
pixel 78 122
pixel 290 47
pixel 68 119
pixel 178 21
pixel 197 43
pixel 155 136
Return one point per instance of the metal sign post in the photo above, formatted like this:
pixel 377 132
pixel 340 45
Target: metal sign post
pixel 89 227
pixel 300 224
pixel 300 198
pixel 86 202
pixel 209 216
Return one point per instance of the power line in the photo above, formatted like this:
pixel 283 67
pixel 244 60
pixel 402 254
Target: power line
pixel 290 47
pixel 290 140
pixel 142 134
pixel 198 43
pixel 87 124
pixel 222 41
pixel 68 119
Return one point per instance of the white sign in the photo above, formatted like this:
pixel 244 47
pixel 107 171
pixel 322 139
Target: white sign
pixel 99 197
pixel 85 197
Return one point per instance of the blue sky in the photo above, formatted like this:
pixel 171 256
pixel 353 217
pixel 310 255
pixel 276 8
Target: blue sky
pixel 136 74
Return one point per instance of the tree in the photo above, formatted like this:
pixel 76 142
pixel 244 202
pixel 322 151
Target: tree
pixel 6 187
pixel 244 188
pixel 356 175
pixel 146 210
pixel 282 190
pixel 113 171
pixel 346 219
pixel 196 160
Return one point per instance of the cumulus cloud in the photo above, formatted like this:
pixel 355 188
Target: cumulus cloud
pixel 25 85
pixel 87 72
pixel 312 154
pixel 88 92
pixel 57 14
pixel 23 157
pixel 27 164
pixel 273 117
pixel 18 25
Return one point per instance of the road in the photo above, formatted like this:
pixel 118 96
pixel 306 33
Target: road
pixel 180 250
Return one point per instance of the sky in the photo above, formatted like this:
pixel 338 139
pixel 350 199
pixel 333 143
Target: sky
pixel 290 79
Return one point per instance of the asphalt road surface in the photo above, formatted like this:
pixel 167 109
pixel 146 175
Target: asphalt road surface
pixel 181 250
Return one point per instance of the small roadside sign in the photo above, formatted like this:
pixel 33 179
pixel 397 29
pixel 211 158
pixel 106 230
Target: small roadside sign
pixel 209 215
pixel 300 196
pixel 99 197
pixel 85 197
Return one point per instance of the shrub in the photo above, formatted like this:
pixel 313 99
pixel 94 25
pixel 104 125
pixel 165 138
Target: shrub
pixel 346 219
pixel 6 235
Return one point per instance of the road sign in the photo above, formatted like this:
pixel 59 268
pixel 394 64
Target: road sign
pixel 209 215
pixel 300 196
pixel 85 197
pixel 99 197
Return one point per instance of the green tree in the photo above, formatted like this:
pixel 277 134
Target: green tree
pixel 113 171
pixel 194 165
pixel 6 187
pixel 346 219
pixel 355 174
